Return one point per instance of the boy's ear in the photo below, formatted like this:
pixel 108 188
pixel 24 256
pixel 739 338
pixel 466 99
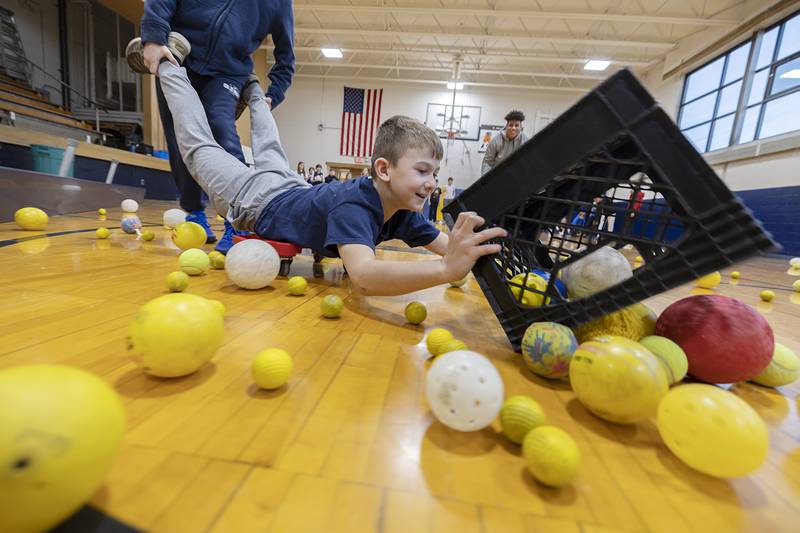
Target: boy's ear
pixel 381 169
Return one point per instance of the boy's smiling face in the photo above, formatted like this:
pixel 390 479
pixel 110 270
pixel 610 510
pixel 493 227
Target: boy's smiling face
pixel 412 179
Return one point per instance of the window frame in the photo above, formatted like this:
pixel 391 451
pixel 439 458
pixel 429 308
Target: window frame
pixel 755 42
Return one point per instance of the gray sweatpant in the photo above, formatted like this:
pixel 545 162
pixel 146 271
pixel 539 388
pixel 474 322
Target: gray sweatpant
pixel 233 187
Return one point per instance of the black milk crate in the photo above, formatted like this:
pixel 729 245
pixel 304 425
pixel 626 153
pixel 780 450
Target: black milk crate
pixel 616 157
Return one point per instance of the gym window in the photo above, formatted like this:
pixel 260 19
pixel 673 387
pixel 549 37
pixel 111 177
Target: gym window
pixel 751 92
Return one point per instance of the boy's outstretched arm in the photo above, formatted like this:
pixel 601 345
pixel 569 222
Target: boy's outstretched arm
pixel 371 276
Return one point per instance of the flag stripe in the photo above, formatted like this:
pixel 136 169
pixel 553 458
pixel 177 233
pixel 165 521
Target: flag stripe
pixel 361 111
pixel 365 131
pixel 341 136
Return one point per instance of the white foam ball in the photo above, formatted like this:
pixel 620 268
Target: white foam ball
pixel 601 269
pixel 252 264
pixel 794 261
pixel 129 206
pixel 173 217
pixel 464 390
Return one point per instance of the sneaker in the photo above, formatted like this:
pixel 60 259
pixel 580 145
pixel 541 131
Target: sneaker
pixel 226 242
pixel 134 52
pixel 199 217
pixel 242 105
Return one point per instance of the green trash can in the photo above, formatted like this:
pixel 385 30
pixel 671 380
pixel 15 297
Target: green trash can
pixel 47 159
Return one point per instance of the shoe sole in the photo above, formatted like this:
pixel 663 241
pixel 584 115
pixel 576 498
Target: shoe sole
pixel 134 52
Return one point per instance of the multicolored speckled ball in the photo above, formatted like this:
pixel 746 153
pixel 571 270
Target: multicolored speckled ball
pixel 547 348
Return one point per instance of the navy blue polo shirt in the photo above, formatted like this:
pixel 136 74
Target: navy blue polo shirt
pixel 350 212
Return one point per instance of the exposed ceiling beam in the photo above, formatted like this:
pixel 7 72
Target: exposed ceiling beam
pixel 428 11
pixel 504 37
pixel 557 75
pixel 441 83
pixel 470 54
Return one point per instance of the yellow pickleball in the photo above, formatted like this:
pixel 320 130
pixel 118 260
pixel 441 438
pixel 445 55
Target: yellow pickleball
pixel 553 457
pixel 436 338
pixel 102 233
pixel 709 281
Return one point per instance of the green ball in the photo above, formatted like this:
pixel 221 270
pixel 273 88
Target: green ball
pixel 332 306
pixel 783 369
pixel 177 281
pixel 670 354
pixel 519 415
pixel 193 261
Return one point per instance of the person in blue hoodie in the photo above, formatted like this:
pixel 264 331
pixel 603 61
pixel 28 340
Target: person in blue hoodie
pixel 222 35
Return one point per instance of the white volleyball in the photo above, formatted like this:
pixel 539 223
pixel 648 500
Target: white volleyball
pixel 129 206
pixel 601 269
pixel 252 264
pixel 173 217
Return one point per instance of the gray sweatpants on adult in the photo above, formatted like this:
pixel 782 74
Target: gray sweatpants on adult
pixel 233 187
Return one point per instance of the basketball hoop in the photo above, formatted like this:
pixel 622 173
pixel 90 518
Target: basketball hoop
pixel 451 136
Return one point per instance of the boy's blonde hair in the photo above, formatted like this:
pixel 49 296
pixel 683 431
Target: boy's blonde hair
pixel 398 135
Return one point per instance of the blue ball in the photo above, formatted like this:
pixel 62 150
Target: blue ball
pixel 559 285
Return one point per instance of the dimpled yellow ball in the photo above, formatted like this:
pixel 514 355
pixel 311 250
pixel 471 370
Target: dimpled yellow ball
pixel 216 260
pixel 177 281
pixel 713 430
pixel 796 286
pixel 175 334
pixel 783 369
pixel 219 306
pixel 709 281
pixel 553 457
pixel 60 431
pixel 736 274
pixel 639 259
pixel 101 211
pixel 436 339
pixel 766 296
pixel 31 218
pixel 332 306
pixel 102 233
pixel 188 235
pixel 271 368
pixel 297 285
pixel 193 261
pixel 617 379
pixel 416 313
pixel 519 415
pixel 451 346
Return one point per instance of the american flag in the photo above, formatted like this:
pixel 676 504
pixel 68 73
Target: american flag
pixel 361 115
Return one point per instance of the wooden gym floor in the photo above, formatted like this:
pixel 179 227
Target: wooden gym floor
pixel 349 445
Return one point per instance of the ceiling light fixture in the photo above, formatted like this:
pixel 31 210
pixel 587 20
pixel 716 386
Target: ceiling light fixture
pixel 596 64
pixel 332 53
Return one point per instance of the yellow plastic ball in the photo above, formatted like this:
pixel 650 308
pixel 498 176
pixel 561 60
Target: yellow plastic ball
pixel 451 346
pixel 175 334
pixel 148 235
pixel 735 274
pixel 796 286
pixel 639 259
pixel 519 415
pixel 766 296
pixel 60 432
pixel 102 233
pixel 709 281
pixel 437 337
pixel 31 218
pixel 177 281
pixel 617 379
pixel 529 297
pixel 713 430
pixel 416 313
pixel 297 285
pixel 332 306
pixel 553 457
pixel 271 368
pixel 101 211
pixel 188 235
pixel 216 260
pixel 193 261
pixel 783 369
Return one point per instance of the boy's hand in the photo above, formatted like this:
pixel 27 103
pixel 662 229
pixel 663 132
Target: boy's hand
pixel 465 246
pixel 154 53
